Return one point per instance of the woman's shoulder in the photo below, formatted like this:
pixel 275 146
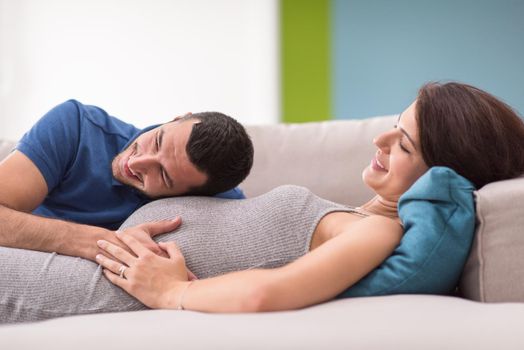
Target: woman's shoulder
pixel 381 222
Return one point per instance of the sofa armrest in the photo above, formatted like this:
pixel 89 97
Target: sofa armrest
pixel 494 271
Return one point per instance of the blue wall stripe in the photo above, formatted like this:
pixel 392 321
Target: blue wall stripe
pixel 384 50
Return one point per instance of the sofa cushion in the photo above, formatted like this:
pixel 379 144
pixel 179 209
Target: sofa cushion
pixel 439 221
pixel 407 322
pixel 494 271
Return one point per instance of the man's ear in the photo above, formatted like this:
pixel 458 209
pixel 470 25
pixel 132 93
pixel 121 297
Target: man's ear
pixel 182 116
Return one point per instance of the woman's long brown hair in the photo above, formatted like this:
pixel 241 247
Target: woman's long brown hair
pixel 470 131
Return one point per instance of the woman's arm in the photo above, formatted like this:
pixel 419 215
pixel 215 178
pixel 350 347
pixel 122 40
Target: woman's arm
pixel 315 277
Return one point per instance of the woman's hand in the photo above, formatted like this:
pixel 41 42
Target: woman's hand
pixel 154 280
pixel 145 232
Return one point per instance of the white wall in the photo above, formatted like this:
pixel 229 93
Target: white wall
pixel 142 61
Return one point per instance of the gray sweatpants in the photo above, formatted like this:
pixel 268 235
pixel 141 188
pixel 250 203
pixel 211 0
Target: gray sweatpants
pixel 36 285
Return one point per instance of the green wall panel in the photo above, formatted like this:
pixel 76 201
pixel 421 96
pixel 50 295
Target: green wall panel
pixel 305 62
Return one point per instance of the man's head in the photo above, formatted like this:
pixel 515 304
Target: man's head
pixel 201 154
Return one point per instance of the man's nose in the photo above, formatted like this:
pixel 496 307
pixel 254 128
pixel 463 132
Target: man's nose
pixel 142 163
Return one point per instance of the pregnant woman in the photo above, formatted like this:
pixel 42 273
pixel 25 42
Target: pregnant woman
pixel 286 249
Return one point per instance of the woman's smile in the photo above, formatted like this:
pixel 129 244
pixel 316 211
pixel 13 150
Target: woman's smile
pixel 377 165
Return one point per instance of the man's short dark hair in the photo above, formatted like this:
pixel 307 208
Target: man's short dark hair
pixel 220 147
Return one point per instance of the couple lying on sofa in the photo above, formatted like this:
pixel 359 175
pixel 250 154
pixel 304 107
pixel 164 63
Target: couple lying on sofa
pixel 285 249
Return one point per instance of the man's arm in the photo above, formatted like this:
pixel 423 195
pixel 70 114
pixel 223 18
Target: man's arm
pixel 22 189
pixel 27 231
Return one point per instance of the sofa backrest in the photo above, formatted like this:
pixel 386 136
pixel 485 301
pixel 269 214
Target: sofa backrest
pixel 326 157
pixel 5 148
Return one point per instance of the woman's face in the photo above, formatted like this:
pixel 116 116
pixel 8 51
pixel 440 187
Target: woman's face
pixel 398 162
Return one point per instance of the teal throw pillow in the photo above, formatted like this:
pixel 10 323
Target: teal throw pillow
pixel 438 214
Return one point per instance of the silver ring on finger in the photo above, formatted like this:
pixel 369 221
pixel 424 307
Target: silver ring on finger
pixel 121 271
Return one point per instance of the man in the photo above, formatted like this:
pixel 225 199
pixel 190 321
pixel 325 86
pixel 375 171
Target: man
pixel 83 172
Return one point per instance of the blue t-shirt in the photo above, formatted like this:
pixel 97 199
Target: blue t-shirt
pixel 73 146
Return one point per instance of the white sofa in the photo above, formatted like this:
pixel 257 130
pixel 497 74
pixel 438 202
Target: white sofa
pixel 328 158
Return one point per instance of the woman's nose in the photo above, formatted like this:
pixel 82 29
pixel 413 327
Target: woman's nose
pixel 383 141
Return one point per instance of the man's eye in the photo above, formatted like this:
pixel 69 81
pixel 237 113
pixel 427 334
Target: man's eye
pixel 164 178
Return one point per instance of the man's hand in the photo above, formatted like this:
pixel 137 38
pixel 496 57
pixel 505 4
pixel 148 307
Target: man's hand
pixel 144 234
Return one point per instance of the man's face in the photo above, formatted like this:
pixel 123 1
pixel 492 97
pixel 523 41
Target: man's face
pixel 157 164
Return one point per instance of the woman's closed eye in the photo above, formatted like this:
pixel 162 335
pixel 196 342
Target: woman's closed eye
pixel 402 147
